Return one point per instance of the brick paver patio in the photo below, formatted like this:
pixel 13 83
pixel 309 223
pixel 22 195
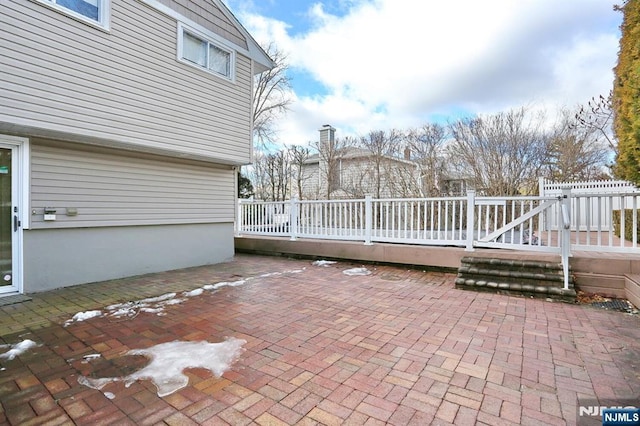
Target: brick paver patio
pixel 399 346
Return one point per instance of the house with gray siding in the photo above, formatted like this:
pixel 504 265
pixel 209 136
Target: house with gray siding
pixel 122 124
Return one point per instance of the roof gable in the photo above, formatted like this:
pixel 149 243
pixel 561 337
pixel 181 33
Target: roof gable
pixel 214 16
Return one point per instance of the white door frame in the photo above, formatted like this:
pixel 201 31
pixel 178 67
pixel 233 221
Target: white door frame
pixel 20 154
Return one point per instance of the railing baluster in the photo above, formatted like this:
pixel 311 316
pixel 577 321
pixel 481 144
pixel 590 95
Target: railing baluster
pixel 386 219
pixel 610 220
pixel 531 230
pixel 634 220
pixel 599 221
pixel 577 216
pixel 432 216
pixel 521 227
pixel 587 201
pixel 406 218
pixel 446 219
pixel 623 214
pixel 514 207
pixel 411 220
pixel 495 217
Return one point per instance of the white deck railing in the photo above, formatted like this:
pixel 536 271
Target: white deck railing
pixel 589 215
pixel 599 223
pixel 557 224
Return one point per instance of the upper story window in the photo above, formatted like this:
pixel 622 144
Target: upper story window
pixel 92 11
pixel 204 53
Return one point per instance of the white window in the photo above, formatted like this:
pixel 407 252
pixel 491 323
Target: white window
pixel 92 11
pixel 204 53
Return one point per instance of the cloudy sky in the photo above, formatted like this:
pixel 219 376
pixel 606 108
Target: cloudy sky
pixel 364 65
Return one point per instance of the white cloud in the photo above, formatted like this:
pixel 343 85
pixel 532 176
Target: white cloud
pixel 396 63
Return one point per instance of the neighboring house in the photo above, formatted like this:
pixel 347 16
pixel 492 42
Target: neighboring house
pixel 121 125
pixel 456 184
pixel 356 172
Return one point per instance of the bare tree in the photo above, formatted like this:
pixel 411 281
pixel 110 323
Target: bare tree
pixel 279 172
pixel 330 154
pixel 299 156
pixel 256 173
pixel 504 152
pixel 271 176
pixel 597 117
pixel 381 145
pixel 403 178
pixel 258 176
pixel 426 147
pixel 576 152
pixel 271 96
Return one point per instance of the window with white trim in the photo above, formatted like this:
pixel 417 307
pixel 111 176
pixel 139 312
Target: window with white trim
pixel 206 54
pixel 92 11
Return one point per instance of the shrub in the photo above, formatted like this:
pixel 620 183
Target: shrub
pixel 628 223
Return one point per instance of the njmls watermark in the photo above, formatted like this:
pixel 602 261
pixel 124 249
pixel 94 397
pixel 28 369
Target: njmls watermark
pixel 622 412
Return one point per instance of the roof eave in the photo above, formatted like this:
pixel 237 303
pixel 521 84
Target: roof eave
pixel 263 61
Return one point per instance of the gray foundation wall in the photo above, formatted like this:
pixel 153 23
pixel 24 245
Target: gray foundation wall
pixel 55 258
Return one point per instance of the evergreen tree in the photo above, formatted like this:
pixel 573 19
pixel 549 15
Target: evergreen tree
pixel 245 188
pixel 626 94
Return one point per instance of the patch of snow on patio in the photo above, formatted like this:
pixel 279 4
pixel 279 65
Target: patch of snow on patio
pixel 192 293
pixel 357 271
pixel 216 286
pixel 157 311
pixel 277 274
pixel 168 360
pixel 323 262
pixel 18 349
pixel 82 316
pixel 153 305
pixel 88 358
pixel 158 299
pixel 156 305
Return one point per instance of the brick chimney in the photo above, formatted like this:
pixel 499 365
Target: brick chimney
pixel 407 154
pixel 327 134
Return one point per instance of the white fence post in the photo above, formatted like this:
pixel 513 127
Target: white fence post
pixel 239 218
pixel 293 218
pixel 565 212
pixel 541 187
pixel 471 208
pixel 546 226
pixel 368 219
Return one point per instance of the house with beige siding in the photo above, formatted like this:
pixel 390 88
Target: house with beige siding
pixel 122 123
pixel 356 172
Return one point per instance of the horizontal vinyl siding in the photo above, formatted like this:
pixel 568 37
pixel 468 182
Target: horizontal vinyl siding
pixel 118 188
pixel 311 184
pixel 125 86
pixel 207 14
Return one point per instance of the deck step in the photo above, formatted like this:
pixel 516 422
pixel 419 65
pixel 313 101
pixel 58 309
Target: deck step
pixel 632 289
pixel 514 276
